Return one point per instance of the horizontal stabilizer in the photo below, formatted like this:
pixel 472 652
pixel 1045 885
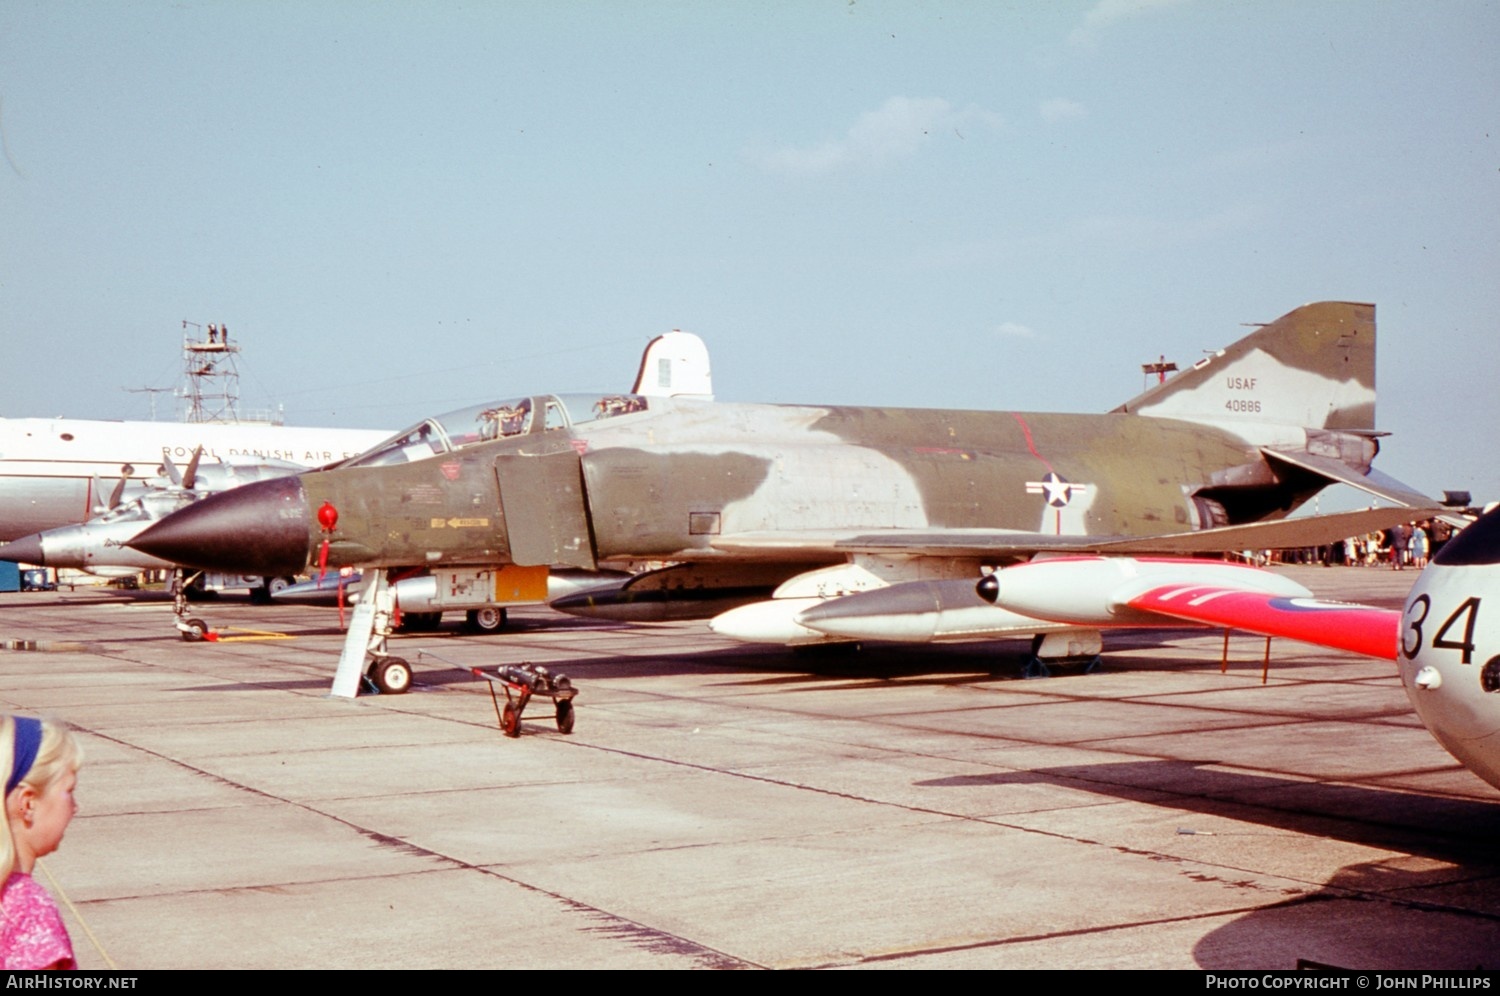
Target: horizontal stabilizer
pixel 1337 472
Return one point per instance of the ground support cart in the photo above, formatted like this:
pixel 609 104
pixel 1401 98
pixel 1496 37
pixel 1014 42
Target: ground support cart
pixel 521 682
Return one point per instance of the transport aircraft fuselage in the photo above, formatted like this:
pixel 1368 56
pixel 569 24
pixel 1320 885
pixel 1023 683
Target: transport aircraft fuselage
pixel 51 468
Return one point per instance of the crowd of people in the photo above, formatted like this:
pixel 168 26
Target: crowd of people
pixel 1410 544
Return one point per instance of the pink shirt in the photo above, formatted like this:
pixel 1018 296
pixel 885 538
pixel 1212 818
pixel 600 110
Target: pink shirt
pixel 31 930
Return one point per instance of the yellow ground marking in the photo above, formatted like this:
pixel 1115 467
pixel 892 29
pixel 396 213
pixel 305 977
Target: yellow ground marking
pixel 254 634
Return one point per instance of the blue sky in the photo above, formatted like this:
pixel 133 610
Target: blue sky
pixel 404 208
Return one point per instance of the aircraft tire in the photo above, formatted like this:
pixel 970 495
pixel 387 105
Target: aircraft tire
pixel 269 587
pixel 196 630
pixel 486 620
pixel 391 675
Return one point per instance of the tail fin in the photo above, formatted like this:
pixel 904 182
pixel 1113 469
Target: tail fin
pixel 675 365
pixel 1312 367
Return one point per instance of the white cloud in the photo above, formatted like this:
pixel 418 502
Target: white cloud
pixel 1061 109
pixel 1107 13
pixel 1014 330
pixel 897 130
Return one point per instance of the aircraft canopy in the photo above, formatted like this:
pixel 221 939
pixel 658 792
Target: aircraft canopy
pixel 496 420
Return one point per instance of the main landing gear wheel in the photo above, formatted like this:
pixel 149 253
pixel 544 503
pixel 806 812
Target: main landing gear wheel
pixel 486 620
pixel 391 675
pixel 196 632
pixel 510 720
pixel 263 594
pixel 270 587
pixel 564 716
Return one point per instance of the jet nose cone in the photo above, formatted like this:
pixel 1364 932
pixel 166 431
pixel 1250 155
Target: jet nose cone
pixel 256 529
pixel 26 550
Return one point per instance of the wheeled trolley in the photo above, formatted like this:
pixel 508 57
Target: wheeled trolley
pixel 523 681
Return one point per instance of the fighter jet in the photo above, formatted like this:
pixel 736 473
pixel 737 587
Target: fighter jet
pixel 777 504
pixel 1445 642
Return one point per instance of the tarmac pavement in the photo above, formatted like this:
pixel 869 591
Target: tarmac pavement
pixel 721 806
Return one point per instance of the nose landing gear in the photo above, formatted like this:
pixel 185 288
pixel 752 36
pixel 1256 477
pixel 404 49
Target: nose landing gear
pixel 190 629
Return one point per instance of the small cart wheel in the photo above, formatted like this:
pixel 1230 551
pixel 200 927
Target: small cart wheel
pixel 391 675
pixel 565 716
pixel 510 721
pixel 196 631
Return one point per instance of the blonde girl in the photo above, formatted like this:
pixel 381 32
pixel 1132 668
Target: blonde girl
pixel 40 760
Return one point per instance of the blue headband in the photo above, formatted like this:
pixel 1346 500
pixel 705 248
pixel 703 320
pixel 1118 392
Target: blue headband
pixel 28 741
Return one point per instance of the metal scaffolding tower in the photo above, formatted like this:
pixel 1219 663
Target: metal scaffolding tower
pixel 210 389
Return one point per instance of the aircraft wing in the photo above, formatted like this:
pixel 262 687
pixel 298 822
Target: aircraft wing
pixel 1360 629
pixel 1077 593
pixel 1004 543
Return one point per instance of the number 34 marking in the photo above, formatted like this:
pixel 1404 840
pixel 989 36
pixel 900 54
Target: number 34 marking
pixel 1411 636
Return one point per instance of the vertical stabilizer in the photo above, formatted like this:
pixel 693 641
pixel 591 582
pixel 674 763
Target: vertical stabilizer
pixel 675 365
pixel 1312 367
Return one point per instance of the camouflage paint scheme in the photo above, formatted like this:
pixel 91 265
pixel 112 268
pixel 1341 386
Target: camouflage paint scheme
pixel 1246 435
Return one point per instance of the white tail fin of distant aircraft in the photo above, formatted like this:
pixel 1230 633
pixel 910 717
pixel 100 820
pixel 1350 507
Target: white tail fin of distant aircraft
pixel 675 365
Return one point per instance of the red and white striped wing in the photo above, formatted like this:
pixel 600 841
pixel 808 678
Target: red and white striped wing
pixel 1360 629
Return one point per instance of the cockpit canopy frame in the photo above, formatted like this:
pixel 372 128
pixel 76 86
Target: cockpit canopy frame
pixel 496 420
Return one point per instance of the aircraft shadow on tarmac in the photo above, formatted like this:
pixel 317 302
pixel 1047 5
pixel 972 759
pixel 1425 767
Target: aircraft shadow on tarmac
pixel 1388 931
pixel 1410 910
pixel 769 667
pixel 1449 829
pixel 766 666
pixel 744 666
pixel 939 664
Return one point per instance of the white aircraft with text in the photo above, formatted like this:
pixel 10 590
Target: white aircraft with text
pixel 52 470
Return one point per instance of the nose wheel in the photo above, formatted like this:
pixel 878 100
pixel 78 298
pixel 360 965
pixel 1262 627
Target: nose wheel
pixel 190 629
pixel 390 675
pixel 365 663
pixel 193 630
